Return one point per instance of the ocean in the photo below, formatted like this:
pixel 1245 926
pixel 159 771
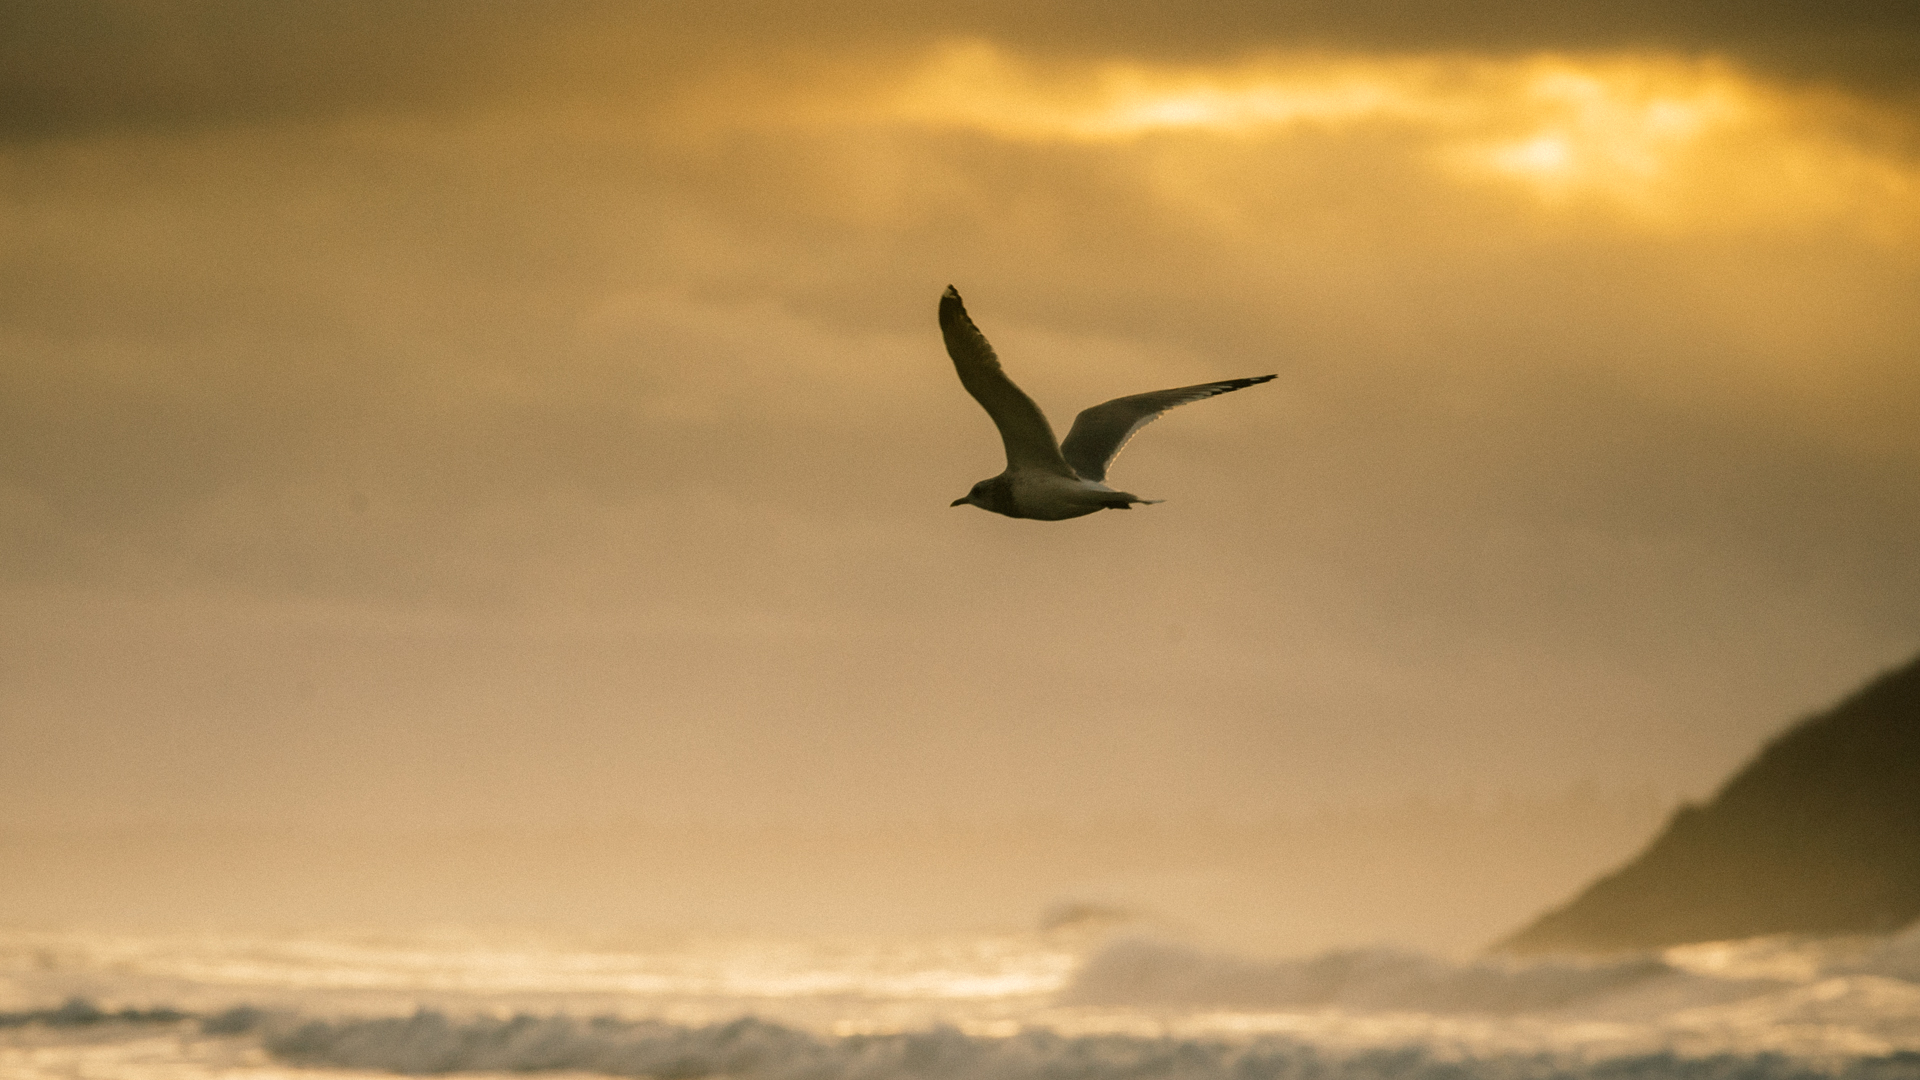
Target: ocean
pixel 1085 996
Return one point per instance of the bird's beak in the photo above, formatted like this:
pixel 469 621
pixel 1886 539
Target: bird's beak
pixel 960 501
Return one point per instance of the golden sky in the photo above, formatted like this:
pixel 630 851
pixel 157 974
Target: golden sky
pixel 414 415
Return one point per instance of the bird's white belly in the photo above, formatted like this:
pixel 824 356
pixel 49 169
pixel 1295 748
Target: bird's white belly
pixel 1049 497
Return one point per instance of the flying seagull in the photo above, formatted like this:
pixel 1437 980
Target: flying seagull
pixel 1045 479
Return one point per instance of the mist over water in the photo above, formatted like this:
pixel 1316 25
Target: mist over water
pixel 1089 1000
pixel 1248 950
pixel 1445 875
pixel 1120 950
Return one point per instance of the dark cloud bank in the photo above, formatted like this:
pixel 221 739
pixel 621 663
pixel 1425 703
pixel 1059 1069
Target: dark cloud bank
pixel 108 63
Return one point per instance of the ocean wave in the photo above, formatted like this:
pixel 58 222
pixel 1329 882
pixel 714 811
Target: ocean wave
pixel 81 1013
pixel 1143 972
pixel 430 1043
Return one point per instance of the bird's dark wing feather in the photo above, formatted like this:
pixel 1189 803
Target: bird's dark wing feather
pixel 1023 427
pixel 1100 432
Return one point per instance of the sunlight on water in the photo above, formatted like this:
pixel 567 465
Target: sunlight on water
pixel 932 968
pixel 1004 1005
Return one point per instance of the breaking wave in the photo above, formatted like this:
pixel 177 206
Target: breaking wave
pixel 1153 973
pixel 1146 972
pixel 1132 1009
pixel 748 1049
pixel 430 1043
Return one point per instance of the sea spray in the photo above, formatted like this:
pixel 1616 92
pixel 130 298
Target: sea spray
pixel 747 1049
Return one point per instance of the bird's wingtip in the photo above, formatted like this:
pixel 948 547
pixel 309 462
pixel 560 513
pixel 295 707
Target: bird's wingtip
pixel 952 311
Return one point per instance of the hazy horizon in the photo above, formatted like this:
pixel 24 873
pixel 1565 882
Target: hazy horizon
pixel 1447 876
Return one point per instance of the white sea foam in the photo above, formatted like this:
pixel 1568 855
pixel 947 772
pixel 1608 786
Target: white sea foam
pixel 464 970
pixel 429 1043
pixel 964 1007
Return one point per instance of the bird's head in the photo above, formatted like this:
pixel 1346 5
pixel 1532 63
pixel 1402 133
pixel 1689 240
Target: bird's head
pixel 993 494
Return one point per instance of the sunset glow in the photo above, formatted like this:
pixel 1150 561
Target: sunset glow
pixel 977 85
pixel 1673 142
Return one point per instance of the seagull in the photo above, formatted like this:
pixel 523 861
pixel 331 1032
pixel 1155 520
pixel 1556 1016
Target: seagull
pixel 1047 480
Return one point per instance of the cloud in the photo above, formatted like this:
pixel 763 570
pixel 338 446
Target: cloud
pixel 179 64
pixel 558 401
pixel 1688 144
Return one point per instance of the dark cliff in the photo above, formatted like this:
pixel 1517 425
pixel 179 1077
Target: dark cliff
pixel 1819 834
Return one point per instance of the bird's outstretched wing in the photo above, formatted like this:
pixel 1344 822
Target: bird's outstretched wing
pixel 1099 433
pixel 1023 427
